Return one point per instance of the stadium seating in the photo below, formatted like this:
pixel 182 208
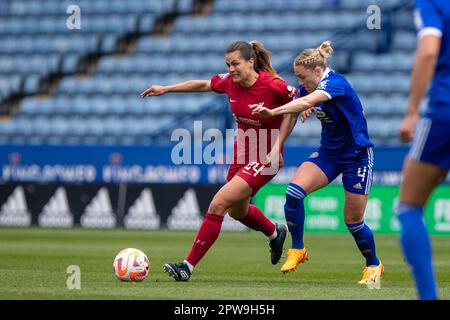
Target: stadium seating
pixel 104 106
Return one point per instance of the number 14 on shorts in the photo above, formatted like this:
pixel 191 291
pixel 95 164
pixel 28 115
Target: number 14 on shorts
pixel 253 168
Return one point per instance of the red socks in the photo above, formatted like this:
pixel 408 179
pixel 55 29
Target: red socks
pixel 210 230
pixel 206 236
pixel 256 220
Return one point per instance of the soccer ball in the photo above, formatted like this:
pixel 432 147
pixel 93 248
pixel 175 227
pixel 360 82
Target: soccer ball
pixel 131 265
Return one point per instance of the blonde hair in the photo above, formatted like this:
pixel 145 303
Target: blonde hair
pixel 311 58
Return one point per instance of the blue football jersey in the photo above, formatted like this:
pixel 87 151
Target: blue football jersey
pixel 433 17
pixel 344 127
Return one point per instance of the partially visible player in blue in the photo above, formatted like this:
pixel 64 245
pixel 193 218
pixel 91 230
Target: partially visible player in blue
pixel 345 148
pixel 428 161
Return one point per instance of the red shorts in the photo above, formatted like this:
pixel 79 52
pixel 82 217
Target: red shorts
pixel 254 173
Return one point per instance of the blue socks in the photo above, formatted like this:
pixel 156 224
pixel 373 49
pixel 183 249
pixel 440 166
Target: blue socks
pixel 364 240
pixel 417 249
pixel 294 212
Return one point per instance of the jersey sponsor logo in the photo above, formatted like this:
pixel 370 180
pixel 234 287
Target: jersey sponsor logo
pixel 248 121
pixel 223 75
pixel 322 115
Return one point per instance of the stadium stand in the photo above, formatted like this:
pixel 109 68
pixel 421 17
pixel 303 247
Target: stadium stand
pixel 62 86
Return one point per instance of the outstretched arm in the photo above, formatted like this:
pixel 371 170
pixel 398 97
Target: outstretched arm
pixel 422 73
pixel 187 86
pixel 295 106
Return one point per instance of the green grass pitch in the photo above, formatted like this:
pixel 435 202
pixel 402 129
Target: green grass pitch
pixel 33 264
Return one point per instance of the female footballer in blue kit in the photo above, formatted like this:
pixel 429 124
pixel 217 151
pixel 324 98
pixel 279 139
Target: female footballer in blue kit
pixel 428 161
pixel 345 148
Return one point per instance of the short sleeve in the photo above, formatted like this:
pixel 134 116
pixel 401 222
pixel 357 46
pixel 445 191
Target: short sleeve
pixel 220 82
pixel 301 92
pixel 286 91
pixel 428 19
pixel 331 87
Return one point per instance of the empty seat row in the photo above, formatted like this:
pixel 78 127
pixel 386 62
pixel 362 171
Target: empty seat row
pixel 49 44
pixel 9 84
pixel 58 25
pixel 43 126
pixel 380 83
pixel 115 105
pixel 389 62
pixel 267 22
pixel 121 84
pixel 58 7
pixel 262 6
pixel 37 64
pixel 287 41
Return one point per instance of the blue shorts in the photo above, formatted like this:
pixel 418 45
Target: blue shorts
pixel 432 143
pixel 356 170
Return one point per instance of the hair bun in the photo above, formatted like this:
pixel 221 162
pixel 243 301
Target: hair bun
pixel 325 49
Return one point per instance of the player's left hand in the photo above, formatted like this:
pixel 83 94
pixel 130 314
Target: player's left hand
pixel 275 158
pixel 407 127
pixel 305 114
pixel 261 111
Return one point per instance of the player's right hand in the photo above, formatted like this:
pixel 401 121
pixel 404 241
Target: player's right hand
pixel 407 127
pixel 154 90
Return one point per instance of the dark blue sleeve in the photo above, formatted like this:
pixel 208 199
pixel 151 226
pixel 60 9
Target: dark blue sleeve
pixel 332 87
pixel 301 92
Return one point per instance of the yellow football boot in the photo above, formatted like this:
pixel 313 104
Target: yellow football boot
pixel 372 276
pixel 293 259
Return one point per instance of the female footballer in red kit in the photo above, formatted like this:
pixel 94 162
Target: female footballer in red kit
pixel 251 80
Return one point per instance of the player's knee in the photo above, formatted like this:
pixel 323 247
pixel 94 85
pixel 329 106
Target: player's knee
pixel 294 196
pixel 218 206
pixel 353 219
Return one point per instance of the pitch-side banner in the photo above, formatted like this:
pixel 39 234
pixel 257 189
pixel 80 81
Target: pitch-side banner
pixel 324 209
pixel 104 206
pixel 150 164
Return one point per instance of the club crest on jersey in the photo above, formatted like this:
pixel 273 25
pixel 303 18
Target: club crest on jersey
pixel 322 85
pixel 223 75
pixel 292 91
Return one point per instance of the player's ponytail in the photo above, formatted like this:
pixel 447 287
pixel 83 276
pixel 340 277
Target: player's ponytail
pixel 263 61
pixel 311 58
pixel 256 50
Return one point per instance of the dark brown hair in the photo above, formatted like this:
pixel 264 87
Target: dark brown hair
pixel 255 50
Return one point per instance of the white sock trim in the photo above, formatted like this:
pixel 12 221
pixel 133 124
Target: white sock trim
pixel 274 234
pixel 190 266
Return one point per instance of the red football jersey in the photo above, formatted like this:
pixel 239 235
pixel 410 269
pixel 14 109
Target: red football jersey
pixel 269 91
